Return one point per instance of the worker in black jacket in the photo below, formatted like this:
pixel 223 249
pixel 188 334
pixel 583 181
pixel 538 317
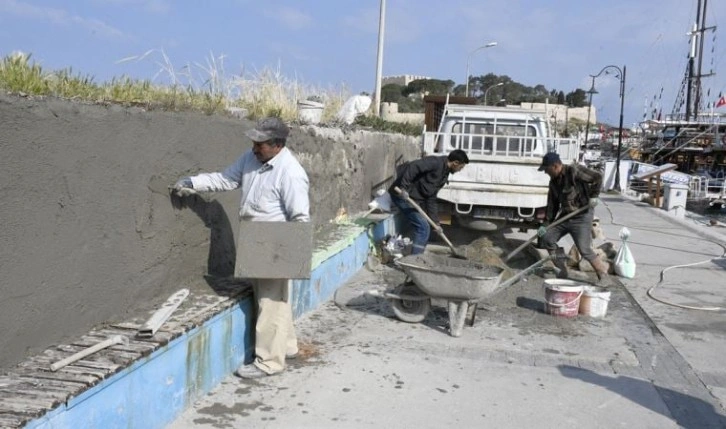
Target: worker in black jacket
pixel 572 188
pixel 421 181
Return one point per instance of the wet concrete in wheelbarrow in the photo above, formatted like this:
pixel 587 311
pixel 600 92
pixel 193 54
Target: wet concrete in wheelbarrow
pixel 515 367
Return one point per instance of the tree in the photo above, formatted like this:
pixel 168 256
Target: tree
pixel 391 93
pixel 560 97
pixel 577 98
pixel 429 86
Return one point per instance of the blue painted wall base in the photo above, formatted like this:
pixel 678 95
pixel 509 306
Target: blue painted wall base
pixel 155 390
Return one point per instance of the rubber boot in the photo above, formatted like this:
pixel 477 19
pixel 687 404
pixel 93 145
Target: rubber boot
pixel 602 272
pixel 559 259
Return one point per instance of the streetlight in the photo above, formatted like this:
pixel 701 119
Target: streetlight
pixel 621 76
pixel 487 91
pixel 554 120
pixel 592 91
pixel 468 60
pixel 379 58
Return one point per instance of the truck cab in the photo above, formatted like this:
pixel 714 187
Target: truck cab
pixel 501 186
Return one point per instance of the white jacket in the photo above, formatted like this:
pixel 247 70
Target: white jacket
pixel 276 191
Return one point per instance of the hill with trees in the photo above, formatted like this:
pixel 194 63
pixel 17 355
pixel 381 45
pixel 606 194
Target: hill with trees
pixel 409 97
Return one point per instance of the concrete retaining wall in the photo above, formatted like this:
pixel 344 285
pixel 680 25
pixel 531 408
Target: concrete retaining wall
pixel 89 232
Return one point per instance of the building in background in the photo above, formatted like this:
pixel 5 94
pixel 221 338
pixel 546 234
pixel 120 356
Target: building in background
pixel 402 80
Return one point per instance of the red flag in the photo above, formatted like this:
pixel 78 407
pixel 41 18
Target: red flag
pixel 721 102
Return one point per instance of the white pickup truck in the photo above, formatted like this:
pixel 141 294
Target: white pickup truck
pixel 501 185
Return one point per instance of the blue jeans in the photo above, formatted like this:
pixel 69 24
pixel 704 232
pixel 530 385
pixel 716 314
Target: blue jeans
pixel 421 228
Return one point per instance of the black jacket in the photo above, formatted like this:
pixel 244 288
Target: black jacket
pixel 572 190
pixel 422 179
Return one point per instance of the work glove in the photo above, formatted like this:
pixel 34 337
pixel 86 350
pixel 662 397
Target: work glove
pixel 183 187
pixel 541 231
pixel 404 194
pixel 594 202
pixel 439 230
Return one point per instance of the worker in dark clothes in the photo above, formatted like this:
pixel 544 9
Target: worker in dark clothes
pixel 421 181
pixel 571 188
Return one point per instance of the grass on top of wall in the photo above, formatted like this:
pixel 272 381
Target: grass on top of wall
pixel 194 87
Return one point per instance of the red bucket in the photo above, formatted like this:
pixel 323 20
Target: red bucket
pixel 562 297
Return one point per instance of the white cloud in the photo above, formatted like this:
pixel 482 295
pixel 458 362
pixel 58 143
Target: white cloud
pixel 153 6
pixel 291 18
pixel 60 17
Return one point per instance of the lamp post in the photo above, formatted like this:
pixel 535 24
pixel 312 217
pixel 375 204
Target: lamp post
pixel 487 91
pixel 379 59
pixel 468 61
pixel 592 91
pixel 621 77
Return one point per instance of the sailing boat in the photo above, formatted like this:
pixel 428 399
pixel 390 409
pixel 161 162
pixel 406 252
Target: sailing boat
pixel 693 136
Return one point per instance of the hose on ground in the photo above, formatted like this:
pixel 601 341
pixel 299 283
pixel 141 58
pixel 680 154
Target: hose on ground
pixel 651 290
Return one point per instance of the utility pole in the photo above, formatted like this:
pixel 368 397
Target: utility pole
pixel 379 61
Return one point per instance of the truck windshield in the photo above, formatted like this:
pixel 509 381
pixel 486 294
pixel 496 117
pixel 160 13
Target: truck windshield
pixel 494 139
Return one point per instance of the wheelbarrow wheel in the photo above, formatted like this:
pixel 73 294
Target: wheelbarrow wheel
pixel 410 311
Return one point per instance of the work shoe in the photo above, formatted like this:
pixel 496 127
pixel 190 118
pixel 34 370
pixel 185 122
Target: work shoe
pixel 603 279
pixel 291 356
pixel 601 270
pixel 250 371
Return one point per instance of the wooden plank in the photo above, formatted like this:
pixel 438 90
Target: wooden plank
pixel 71 386
pixel 11 421
pixel 27 405
pixel 40 394
pixel 42 369
pixel 86 380
pixel 8 420
pixel 655 172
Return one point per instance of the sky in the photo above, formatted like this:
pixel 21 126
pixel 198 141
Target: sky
pixel 333 43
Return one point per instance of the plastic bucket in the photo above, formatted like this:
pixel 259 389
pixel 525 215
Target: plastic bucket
pixel 309 112
pixel 562 297
pixel 594 301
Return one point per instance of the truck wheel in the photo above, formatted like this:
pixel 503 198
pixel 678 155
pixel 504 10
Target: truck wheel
pixel 410 311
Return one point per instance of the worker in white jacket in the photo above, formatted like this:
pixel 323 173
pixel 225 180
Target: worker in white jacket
pixel 274 189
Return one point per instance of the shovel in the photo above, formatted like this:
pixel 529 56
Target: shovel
pixel 534 237
pixel 433 224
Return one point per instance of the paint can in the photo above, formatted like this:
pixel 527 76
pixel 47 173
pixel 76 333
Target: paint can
pixel 562 297
pixel 594 301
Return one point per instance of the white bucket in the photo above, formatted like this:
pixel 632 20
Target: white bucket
pixel 594 301
pixel 309 112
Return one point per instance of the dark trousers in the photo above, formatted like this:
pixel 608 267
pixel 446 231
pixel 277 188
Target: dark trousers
pixel 580 228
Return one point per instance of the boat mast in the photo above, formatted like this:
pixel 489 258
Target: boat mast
pixel 691 59
pixel 695 60
pixel 701 14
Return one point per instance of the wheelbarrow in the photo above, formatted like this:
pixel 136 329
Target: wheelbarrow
pixel 462 283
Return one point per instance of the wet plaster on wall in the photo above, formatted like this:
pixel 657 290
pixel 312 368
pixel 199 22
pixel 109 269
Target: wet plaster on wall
pixel 90 234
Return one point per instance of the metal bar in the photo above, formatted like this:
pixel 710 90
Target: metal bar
pixel 118 339
pixel 162 314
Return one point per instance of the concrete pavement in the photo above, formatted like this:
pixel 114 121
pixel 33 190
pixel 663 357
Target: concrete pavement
pixel 647 364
